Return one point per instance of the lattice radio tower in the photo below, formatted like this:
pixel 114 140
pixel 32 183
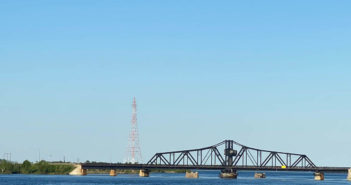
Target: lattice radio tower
pixel 133 151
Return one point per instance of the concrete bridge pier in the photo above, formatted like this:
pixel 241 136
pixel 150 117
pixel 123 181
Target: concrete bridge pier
pixel 191 174
pixel 349 175
pixel 319 176
pixel 259 175
pixel 113 172
pixel 78 170
pixel 228 174
pixel 144 173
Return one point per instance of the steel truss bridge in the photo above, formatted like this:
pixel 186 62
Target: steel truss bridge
pixel 234 156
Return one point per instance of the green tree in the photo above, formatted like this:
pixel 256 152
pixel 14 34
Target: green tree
pixel 6 167
pixel 26 167
pixel 43 167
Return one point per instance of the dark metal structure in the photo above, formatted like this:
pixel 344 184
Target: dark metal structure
pixel 206 167
pixel 246 157
pixel 234 156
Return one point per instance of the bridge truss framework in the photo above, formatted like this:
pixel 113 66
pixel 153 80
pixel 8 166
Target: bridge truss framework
pixel 246 157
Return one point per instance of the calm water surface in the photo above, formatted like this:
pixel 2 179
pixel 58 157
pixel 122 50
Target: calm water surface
pixel 206 178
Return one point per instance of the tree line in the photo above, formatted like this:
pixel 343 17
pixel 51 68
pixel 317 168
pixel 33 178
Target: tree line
pixel 27 167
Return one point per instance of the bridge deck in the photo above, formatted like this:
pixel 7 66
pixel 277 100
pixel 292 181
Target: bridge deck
pixel 208 167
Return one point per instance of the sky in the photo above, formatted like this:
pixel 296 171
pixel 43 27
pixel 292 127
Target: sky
pixel 268 74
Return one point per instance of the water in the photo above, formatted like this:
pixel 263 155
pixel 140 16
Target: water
pixel 206 178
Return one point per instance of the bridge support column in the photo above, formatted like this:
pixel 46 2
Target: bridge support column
pixel 192 175
pixel 113 172
pixel 349 175
pixel 78 170
pixel 318 176
pixel 259 175
pixel 84 171
pixel 228 174
pixel 144 173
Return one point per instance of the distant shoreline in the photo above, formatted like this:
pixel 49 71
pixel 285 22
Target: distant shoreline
pixel 58 168
pixel 40 168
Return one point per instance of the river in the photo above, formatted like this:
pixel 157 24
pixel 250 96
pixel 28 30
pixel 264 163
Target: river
pixel 206 178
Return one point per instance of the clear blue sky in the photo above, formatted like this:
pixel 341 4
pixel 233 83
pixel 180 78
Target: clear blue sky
pixel 268 74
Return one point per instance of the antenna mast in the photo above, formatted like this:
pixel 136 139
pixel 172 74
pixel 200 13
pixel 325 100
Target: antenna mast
pixel 134 152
